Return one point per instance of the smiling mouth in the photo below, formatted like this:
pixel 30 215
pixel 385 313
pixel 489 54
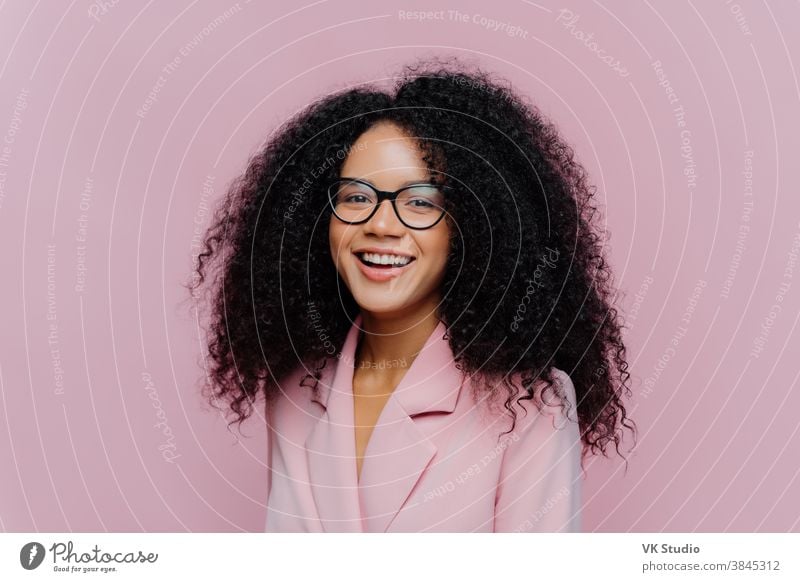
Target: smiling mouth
pixel 384 261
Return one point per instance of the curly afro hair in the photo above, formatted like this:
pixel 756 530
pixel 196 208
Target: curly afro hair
pixel 526 287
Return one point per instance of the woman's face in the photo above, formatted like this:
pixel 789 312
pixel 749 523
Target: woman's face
pixel 388 159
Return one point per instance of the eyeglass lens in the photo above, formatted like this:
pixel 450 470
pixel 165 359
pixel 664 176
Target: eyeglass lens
pixel 418 206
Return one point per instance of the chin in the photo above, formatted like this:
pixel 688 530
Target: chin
pixel 378 307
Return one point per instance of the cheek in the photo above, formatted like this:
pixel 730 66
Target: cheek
pixel 338 239
pixel 438 247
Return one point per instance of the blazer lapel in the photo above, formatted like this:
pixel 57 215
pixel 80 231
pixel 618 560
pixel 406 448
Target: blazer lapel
pixel 398 452
pixel 330 447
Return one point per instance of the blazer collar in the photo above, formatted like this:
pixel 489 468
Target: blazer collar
pixel 398 451
pixel 431 384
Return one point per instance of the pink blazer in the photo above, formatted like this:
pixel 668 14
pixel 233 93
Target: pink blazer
pixel 433 462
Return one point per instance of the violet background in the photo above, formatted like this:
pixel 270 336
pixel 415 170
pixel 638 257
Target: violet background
pixel 718 447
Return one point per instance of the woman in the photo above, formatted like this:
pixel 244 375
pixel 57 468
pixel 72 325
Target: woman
pixel 413 281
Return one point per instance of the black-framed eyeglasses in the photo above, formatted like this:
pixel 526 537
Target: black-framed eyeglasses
pixel 418 206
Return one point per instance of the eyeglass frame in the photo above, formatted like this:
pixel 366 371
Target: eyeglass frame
pixel 385 195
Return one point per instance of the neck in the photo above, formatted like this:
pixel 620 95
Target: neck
pixel 392 343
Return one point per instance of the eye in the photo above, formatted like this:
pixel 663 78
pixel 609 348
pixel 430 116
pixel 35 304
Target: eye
pixel 357 198
pixel 420 203
pixel 353 193
pixel 422 198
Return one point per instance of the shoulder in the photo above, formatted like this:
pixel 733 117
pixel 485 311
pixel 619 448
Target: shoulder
pixel 546 437
pixel 300 386
pixel 539 485
pixel 553 403
pixel 559 400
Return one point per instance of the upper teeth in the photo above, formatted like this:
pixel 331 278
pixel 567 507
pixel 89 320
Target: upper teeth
pixel 386 259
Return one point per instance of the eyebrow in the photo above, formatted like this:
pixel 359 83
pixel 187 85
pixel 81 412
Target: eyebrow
pixel 406 183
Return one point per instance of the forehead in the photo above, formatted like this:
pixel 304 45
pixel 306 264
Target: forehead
pixel 385 153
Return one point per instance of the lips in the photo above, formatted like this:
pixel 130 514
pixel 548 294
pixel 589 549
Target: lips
pixel 383 257
pixel 382 272
pixel 383 261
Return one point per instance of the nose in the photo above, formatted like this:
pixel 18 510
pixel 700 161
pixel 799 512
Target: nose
pixel 385 221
